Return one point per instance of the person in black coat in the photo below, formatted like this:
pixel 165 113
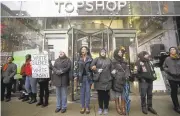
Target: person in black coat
pixel 60 79
pixel 44 88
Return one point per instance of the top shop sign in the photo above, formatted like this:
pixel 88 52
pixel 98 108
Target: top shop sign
pixel 89 6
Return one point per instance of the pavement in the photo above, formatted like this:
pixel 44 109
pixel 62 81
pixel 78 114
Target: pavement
pixel 162 104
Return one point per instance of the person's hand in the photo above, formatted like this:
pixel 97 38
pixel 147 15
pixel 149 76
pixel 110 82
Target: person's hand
pixel 100 70
pixel 93 67
pixel 113 72
pixel 75 78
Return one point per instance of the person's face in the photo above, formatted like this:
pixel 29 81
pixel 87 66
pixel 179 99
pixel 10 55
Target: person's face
pixel 103 53
pixel 84 51
pixel 120 53
pixel 61 53
pixel 173 51
pixel 9 59
pixel 146 56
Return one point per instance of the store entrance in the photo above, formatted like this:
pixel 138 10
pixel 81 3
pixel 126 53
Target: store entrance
pixel 94 40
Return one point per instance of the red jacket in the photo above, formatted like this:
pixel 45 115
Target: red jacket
pixel 28 68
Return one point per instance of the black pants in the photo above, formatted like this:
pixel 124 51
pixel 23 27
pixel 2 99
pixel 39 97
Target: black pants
pixel 145 88
pixel 44 89
pixel 103 99
pixel 174 92
pixel 7 87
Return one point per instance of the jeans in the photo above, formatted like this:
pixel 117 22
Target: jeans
pixel 146 90
pixel 103 99
pixel 31 84
pixel 174 92
pixel 7 86
pixel 61 96
pixel 85 92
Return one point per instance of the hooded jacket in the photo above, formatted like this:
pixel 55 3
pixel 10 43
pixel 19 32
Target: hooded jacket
pixel 102 80
pixel 172 67
pixel 145 68
pixel 122 72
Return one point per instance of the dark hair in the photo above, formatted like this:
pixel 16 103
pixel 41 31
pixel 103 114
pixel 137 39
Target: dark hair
pixel 88 51
pixel 28 56
pixel 11 57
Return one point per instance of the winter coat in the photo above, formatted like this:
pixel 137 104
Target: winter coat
pixel 145 69
pixel 83 68
pixel 50 74
pixel 122 73
pixel 103 80
pixel 61 71
pixel 172 68
pixel 9 73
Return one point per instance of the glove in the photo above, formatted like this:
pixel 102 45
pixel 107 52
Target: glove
pixel 100 70
pixel 113 72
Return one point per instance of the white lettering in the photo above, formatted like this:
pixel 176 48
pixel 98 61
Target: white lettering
pixel 69 7
pixel 121 4
pixel 60 3
pixel 89 7
pixel 109 3
pixel 99 4
pixel 80 4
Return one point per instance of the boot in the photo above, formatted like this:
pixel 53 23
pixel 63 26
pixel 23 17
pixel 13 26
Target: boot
pixel 26 98
pixel 31 96
pixel 117 106
pixel 34 100
pixel 123 106
pixel 40 101
pixel 144 110
pixel 150 109
pixel 46 102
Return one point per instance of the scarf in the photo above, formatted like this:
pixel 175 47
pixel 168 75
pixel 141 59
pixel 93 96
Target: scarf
pixel 5 67
pixel 175 56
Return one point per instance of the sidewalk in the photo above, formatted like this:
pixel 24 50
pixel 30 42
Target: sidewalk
pixel 162 104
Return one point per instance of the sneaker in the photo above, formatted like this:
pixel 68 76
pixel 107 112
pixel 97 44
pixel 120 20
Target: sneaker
pixel 63 110
pixel 105 111
pixel 57 110
pixel 100 111
pixel 82 110
pixel 87 111
pixel 150 109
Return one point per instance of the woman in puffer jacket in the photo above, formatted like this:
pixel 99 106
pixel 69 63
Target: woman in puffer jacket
pixel 120 73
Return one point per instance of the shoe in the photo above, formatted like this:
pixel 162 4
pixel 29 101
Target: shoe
pixel 82 110
pixel 177 110
pixel 105 111
pixel 100 111
pixel 34 100
pixel 144 110
pixel 63 110
pixel 57 110
pixel 150 109
pixel 44 105
pixel 87 111
pixel 26 98
pixel 8 99
pixel 39 103
pixel 22 97
pixel 31 96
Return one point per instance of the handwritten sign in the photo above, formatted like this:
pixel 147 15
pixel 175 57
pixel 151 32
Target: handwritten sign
pixel 40 66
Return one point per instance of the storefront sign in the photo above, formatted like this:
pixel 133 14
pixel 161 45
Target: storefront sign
pixel 40 66
pixel 89 6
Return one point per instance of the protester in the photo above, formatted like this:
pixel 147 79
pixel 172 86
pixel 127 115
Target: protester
pixel 60 79
pixel 101 67
pixel 22 83
pixel 44 88
pixel 8 72
pixel 146 75
pixel 120 73
pixel 172 68
pixel 84 76
pixel 30 83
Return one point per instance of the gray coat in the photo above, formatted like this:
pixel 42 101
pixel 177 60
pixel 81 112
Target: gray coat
pixel 172 68
pixel 103 80
pixel 61 71
pixel 9 73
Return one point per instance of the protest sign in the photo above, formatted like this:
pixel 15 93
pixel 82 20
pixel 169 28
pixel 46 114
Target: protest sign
pixel 40 66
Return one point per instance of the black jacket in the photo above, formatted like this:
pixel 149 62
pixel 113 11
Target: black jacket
pixel 83 68
pixel 145 69
pixel 61 71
